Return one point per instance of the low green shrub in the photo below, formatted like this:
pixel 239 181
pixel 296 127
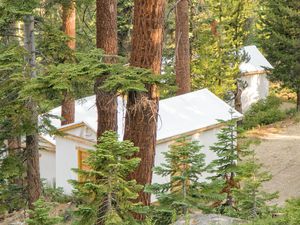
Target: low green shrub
pixel 55 194
pixel 263 112
pixel 290 215
pixel 41 214
pixel 162 217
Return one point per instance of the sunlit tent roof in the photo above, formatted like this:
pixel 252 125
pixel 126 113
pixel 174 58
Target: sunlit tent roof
pixel 255 60
pixel 177 115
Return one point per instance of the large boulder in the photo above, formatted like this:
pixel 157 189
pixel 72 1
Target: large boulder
pixel 210 219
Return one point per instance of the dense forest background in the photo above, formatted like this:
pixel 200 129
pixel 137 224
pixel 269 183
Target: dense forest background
pixel 55 51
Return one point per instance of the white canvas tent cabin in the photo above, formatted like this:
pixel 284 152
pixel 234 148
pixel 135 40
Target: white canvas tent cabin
pixel 254 75
pixel 194 115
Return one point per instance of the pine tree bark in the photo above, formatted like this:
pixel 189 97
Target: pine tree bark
pixel 106 102
pixel 182 64
pixel 238 99
pixel 32 148
pixel 142 108
pixel 298 101
pixel 69 27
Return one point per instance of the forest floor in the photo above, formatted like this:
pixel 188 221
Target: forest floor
pixel 18 218
pixel 279 153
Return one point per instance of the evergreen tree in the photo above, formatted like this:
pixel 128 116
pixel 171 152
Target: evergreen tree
pixel 142 107
pixel 40 214
pixel 238 176
pixel 109 166
pixel 224 168
pixel 184 165
pixel 26 109
pixel 13 194
pixel 280 21
pixel 12 189
pixel 252 201
pixel 221 28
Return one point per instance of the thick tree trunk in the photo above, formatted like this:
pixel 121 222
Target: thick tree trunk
pixel 142 108
pixel 68 109
pixel 298 101
pixel 33 169
pixel 183 79
pixel 106 102
pixel 69 27
pixel 32 148
pixel 69 22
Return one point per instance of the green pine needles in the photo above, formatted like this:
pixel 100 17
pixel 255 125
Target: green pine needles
pixel 224 168
pixel 40 214
pixel 184 165
pixel 12 187
pixel 107 195
pixel 280 33
pixel 252 201
pixel 238 177
pixel 222 29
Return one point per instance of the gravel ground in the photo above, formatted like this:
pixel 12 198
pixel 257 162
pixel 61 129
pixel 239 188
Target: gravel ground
pixel 279 152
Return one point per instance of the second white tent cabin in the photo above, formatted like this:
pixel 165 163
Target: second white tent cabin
pixel 194 115
pixel 254 76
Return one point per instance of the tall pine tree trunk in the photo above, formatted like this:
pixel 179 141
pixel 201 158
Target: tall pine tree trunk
pixel 69 27
pixel 106 102
pixel 183 79
pixel 142 108
pixel 32 147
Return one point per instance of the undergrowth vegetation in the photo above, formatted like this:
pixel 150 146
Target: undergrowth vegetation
pixel 289 215
pixel 104 193
pixel 264 112
pixel 41 214
pixel 55 194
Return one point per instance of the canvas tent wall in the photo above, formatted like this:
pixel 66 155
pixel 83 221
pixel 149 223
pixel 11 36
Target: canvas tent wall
pixel 77 139
pixel 47 161
pixel 194 115
pixel 254 75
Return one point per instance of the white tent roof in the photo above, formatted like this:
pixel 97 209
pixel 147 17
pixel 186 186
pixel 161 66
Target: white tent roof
pixel 177 115
pixel 257 62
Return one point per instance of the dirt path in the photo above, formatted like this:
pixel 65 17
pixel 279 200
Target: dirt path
pixel 279 152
